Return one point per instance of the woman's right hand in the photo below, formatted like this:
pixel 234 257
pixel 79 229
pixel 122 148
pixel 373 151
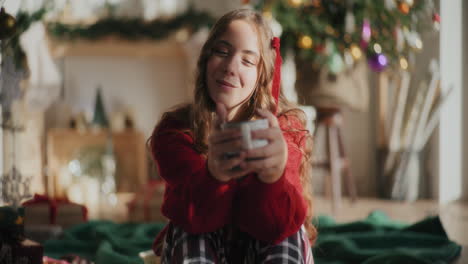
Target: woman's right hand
pixel 222 142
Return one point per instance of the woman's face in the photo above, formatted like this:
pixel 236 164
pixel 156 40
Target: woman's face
pixel 231 73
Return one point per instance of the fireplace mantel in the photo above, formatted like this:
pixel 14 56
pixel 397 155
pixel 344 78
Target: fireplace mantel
pixel 114 46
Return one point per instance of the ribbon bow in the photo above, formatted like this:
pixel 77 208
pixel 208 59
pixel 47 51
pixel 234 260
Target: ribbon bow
pixel 275 90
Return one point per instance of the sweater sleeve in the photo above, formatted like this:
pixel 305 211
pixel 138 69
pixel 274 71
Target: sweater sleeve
pixel 273 212
pixel 193 199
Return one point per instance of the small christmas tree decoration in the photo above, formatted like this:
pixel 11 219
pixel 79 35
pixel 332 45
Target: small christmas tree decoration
pixel 305 42
pixel 100 117
pixel 7 25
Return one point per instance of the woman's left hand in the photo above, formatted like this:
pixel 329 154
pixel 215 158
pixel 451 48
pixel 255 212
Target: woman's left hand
pixel 269 161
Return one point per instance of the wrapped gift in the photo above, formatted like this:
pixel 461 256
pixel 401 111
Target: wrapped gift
pixel 42 210
pixel 146 206
pixel 14 248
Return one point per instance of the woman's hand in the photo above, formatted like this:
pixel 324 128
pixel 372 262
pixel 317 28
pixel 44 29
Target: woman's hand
pixel 268 161
pixel 220 144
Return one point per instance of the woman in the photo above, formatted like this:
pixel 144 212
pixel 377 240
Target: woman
pixel 251 208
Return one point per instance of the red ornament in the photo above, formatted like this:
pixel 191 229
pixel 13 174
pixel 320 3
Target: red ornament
pixel 319 48
pixel 436 17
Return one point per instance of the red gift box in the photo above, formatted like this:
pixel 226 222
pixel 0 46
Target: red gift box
pixel 42 210
pixel 146 206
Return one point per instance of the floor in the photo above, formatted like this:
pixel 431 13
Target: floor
pixel 454 216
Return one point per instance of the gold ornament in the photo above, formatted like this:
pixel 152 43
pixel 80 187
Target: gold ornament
pixel 7 25
pixel 404 8
pixel 356 52
pixel 403 63
pixel 305 42
pixel 295 3
pixel 267 14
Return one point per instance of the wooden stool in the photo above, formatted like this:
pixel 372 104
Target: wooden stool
pixel 336 162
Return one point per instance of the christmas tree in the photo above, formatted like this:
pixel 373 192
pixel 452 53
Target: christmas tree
pixel 338 33
pixel 100 118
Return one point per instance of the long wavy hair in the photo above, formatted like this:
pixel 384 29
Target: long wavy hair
pixel 200 113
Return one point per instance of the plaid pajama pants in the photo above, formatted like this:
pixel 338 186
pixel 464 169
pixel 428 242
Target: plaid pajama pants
pixel 227 245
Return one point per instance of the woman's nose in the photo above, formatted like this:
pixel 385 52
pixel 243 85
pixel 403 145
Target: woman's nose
pixel 231 65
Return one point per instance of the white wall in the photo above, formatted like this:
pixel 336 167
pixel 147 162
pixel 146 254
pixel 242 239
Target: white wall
pixel 450 131
pixel 148 86
pixel 465 99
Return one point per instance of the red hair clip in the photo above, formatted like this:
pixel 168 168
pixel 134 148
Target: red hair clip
pixel 275 90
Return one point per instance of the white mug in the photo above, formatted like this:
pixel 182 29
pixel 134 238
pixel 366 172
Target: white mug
pixel 246 128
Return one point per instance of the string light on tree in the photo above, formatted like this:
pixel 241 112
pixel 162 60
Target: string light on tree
pixel 305 42
pixel 377 48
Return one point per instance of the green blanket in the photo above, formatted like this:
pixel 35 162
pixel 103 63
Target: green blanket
pixel 376 239
pixel 379 240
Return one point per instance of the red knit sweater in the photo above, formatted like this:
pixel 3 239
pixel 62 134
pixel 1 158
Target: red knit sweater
pixel 197 202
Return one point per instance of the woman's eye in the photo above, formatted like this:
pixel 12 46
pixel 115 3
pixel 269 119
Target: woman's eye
pixel 249 62
pixel 220 52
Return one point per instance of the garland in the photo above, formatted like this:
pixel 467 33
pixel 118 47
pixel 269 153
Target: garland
pixel 10 45
pixel 132 28
pixel 128 28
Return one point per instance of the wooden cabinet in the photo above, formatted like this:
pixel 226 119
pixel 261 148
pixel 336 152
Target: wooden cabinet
pixel 63 145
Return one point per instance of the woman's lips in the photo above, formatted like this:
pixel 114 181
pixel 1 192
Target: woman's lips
pixel 225 85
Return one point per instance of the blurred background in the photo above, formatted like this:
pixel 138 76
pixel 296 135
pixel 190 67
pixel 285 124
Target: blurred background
pixel 383 84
